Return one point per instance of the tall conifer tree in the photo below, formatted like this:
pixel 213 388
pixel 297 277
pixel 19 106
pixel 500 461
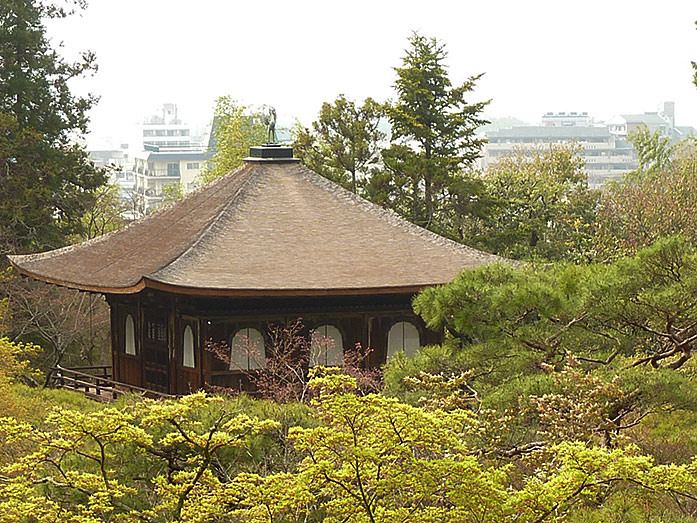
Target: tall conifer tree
pixel 46 180
pixel 433 139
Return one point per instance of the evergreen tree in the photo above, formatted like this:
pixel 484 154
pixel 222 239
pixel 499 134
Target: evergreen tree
pixel 343 142
pixel 433 137
pixel 46 180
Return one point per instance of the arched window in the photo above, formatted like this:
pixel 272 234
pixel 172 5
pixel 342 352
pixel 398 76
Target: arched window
pixel 247 350
pixel 403 336
pixel 130 347
pixel 327 346
pixel 188 348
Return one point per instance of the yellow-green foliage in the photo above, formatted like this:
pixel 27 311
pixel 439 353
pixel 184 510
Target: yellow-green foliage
pixel 13 363
pixel 34 404
pixel 235 130
pixel 376 459
pixel 366 458
pixel 75 458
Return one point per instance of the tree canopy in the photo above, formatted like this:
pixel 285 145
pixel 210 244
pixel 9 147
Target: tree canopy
pixel 433 139
pixel 235 130
pixel 365 458
pixel 46 180
pixel 344 142
pixel 641 307
pixel 658 200
pixel 653 150
pixel 541 206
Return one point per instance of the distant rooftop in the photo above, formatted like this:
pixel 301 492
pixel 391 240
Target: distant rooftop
pixel 169 116
pixel 542 131
pixel 563 114
pixel 647 118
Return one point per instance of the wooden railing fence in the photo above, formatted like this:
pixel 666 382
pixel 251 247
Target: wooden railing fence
pixel 95 382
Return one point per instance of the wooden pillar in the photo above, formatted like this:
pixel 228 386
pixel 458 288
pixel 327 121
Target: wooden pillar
pixel 115 374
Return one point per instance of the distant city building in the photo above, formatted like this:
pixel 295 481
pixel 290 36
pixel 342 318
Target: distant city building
pixel 166 130
pixel 607 156
pixel 114 158
pixel 170 156
pixel 118 164
pixel 169 153
pixel 156 168
pixel 605 147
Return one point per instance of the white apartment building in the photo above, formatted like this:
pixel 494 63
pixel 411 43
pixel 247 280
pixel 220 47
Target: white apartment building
pixel 607 152
pixel 607 156
pixel 156 168
pixel 169 157
pixel 166 129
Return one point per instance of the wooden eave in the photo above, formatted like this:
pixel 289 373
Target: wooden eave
pixel 148 283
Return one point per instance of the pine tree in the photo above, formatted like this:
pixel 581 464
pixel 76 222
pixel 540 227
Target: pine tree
pixel 433 138
pixel 344 142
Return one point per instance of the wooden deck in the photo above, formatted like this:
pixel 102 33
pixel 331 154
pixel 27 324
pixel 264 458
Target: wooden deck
pixel 95 383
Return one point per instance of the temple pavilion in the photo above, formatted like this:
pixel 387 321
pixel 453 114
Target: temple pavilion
pixel 268 243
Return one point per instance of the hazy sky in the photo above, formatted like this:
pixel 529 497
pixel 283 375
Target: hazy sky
pixel 605 57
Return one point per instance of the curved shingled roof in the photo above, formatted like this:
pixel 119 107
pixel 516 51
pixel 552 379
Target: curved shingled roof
pixel 265 229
